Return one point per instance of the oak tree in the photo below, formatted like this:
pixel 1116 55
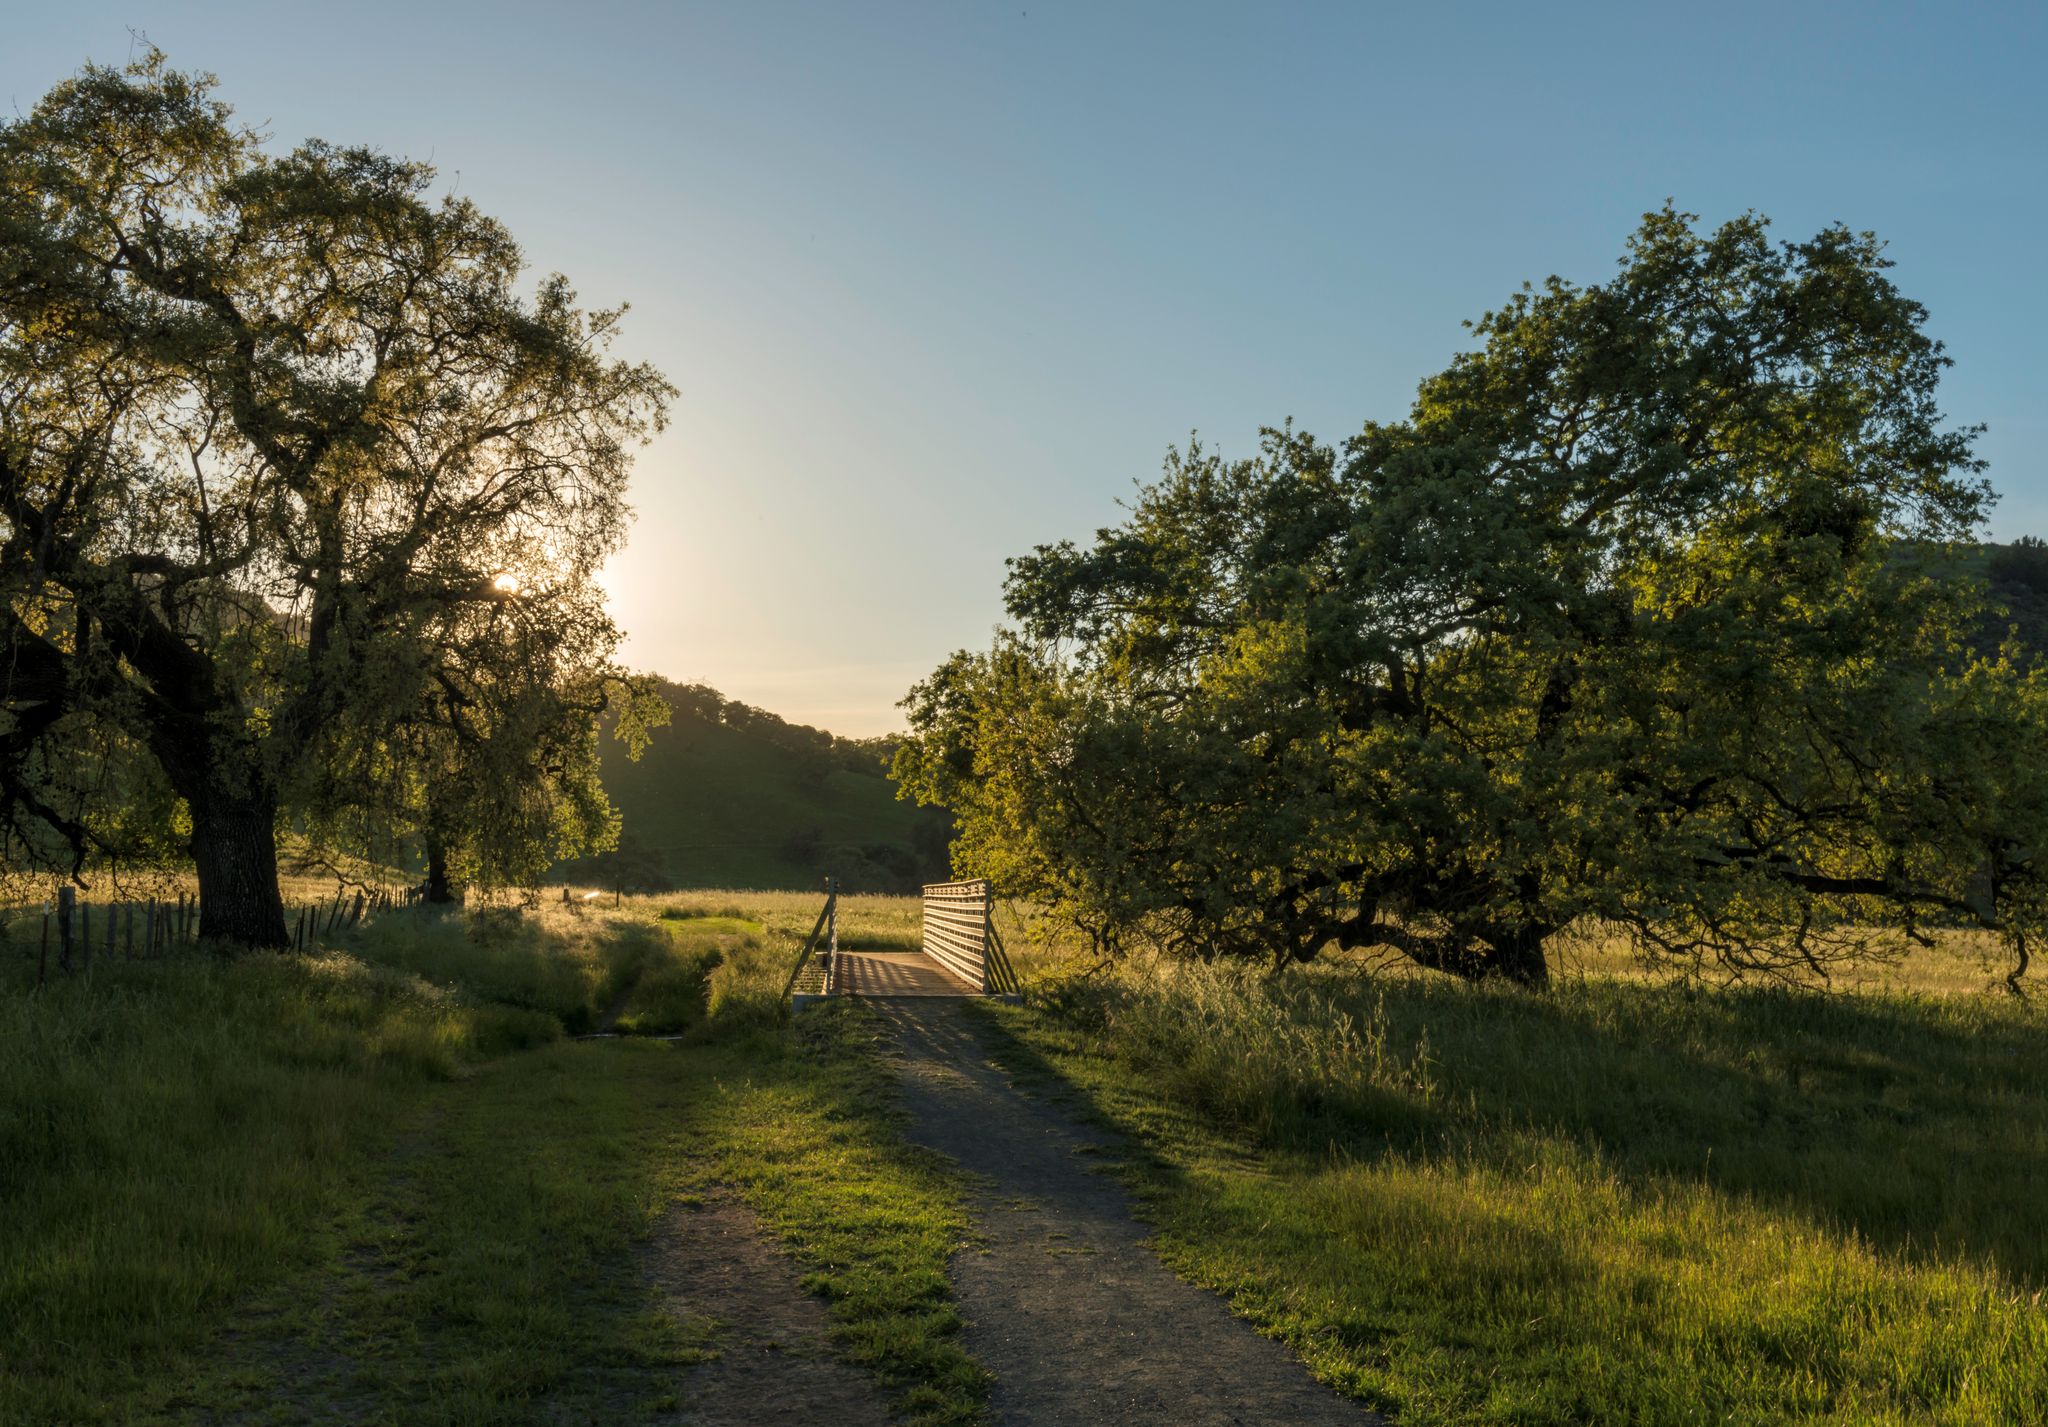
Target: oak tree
pixel 1647 615
pixel 270 426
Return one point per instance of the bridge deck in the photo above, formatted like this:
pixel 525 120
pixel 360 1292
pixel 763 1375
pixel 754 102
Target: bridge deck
pixel 897 973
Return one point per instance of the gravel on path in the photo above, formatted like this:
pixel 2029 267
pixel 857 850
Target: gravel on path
pixel 1077 1318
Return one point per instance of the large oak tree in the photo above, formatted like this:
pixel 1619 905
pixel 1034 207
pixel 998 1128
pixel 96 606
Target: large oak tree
pixel 1647 614
pixel 273 428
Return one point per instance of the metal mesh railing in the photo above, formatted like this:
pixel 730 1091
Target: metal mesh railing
pixel 960 934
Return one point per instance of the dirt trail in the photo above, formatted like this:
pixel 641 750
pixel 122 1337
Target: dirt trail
pixel 773 1363
pixel 1075 1316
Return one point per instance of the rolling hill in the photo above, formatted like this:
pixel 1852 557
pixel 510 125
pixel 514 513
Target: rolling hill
pixel 2017 575
pixel 732 796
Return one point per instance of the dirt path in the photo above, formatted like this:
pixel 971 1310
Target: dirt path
pixel 772 1363
pixel 1075 1316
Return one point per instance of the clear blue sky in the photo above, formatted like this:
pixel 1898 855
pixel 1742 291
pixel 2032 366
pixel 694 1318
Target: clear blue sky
pixel 939 282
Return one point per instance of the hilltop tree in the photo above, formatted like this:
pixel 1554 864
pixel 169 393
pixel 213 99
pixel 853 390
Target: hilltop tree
pixel 1641 616
pixel 270 426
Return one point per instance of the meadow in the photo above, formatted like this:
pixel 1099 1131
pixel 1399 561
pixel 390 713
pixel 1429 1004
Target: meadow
pixel 386 1182
pixel 1627 1200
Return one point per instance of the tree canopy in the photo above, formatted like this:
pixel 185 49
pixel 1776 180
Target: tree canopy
pixel 1643 615
pixel 301 500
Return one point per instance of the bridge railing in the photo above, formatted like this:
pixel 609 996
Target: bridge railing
pixel 960 934
pixel 816 972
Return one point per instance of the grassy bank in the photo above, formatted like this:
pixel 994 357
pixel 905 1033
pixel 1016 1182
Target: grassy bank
pixel 380 1184
pixel 1615 1203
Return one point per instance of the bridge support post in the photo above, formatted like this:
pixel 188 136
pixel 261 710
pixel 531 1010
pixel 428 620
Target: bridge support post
pixel 831 936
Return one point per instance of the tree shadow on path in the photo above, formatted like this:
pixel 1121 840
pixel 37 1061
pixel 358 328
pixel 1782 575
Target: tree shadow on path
pixel 1066 1305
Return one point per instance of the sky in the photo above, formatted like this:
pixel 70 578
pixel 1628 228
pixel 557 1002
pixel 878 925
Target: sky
pixel 940 282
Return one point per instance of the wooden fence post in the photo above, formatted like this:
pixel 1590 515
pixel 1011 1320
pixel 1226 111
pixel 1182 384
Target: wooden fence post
pixel 67 900
pixel 113 915
pixel 43 956
pixel 128 930
pixel 149 930
pixel 85 936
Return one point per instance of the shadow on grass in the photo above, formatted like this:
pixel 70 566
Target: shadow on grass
pixel 487 1273
pixel 1919 1125
pixel 1610 1204
pixel 507 960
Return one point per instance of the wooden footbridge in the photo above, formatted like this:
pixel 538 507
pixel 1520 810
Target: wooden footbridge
pixel 961 953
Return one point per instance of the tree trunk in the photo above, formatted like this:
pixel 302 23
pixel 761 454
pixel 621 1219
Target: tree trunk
pixel 438 890
pixel 1518 956
pixel 1513 954
pixel 234 842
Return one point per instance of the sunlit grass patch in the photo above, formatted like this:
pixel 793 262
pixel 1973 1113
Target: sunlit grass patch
pixel 1550 1289
pixel 669 989
pixel 808 1134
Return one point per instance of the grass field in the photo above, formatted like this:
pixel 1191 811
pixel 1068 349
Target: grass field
pixel 1619 1202
pixel 380 1183
pixel 383 1182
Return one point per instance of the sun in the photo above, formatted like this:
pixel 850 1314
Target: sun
pixel 506 584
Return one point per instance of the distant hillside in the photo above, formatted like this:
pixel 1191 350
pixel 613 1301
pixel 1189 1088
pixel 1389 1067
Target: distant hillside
pixel 733 796
pixel 2018 576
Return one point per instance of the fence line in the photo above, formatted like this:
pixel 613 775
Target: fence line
pixel 143 928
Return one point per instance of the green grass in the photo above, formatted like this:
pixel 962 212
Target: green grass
pixel 378 1185
pixel 1615 1203
pixel 173 1133
pixel 808 1137
pixel 381 1184
pixel 485 1273
pixel 668 994
pixel 498 957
